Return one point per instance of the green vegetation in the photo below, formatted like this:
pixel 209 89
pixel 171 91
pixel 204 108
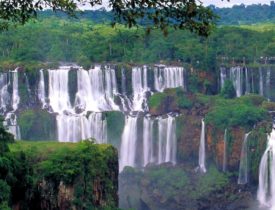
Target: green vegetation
pixel 228 90
pixel 156 100
pixel 52 40
pixel 33 168
pixel 245 111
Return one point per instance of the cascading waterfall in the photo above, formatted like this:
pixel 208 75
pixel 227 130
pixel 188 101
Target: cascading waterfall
pixel 202 148
pixel 166 140
pixel 268 75
pixel 15 93
pixel 148 141
pixel 224 165
pixel 222 76
pixel 73 128
pixel 261 83
pixel 128 143
pixel 247 84
pixel 59 99
pixel 164 150
pixel 10 124
pixel 243 169
pixel 168 77
pixel 266 189
pixel 140 87
pixel 41 89
pixel 4 94
pixel 236 78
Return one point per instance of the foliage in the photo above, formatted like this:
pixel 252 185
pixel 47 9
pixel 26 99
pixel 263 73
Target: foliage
pixel 228 90
pixel 156 100
pixel 226 113
pixel 52 40
pixel 179 14
pixel 183 101
pixel 80 164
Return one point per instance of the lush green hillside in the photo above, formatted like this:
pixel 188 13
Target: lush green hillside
pixel 47 175
pixel 55 40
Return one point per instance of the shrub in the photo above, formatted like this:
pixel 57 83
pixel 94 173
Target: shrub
pixel 228 90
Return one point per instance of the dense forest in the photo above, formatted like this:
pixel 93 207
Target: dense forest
pixel 82 41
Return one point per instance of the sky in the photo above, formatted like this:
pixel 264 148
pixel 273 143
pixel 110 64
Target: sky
pixel 217 3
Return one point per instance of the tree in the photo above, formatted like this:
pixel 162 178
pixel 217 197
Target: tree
pixel 228 90
pixel 179 14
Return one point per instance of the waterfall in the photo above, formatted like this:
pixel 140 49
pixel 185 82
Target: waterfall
pixel 243 169
pixel 59 99
pixel 224 166
pixel 166 140
pixel 236 78
pixel 128 143
pixel 96 89
pixel 140 87
pixel 10 123
pixel 41 88
pixel 202 148
pixel 15 93
pixel 266 189
pixel 261 84
pixel 247 84
pixel 222 76
pixel 168 77
pixel 4 94
pixel 268 74
pixel 147 141
pixel 72 128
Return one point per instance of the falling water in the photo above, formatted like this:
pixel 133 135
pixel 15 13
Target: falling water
pixel 222 76
pixel 140 87
pixel 266 189
pixel 147 140
pixel 268 74
pixel 168 77
pixel 59 99
pixel 15 93
pixel 41 88
pixel 72 128
pixel 10 123
pixel 128 143
pixel 261 84
pixel 202 148
pixel 166 140
pixel 4 94
pixel 236 78
pixel 247 84
pixel 224 166
pixel 243 170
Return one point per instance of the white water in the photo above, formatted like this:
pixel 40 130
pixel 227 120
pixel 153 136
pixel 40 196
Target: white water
pixel 261 83
pixel 4 94
pixel 128 143
pixel 41 89
pixel 247 84
pixel 202 148
pixel 166 140
pixel 266 189
pixel 140 87
pixel 236 78
pixel 268 75
pixel 72 128
pixel 148 153
pixel 222 76
pixel 10 124
pixel 15 93
pixel 59 99
pixel 224 166
pixel 168 77
pixel 243 169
